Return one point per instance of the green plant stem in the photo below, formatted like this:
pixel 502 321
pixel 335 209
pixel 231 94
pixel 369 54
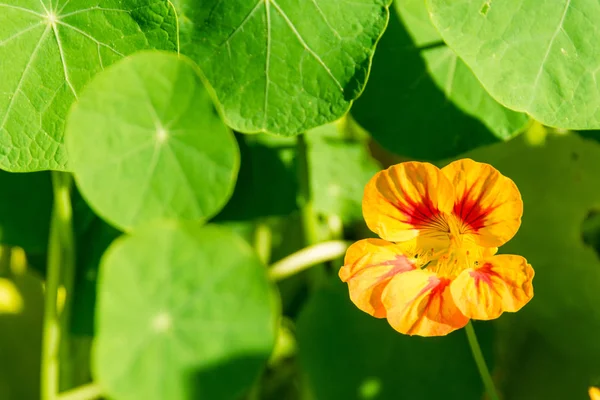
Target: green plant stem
pixel 309 219
pixel 263 238
pixel 307 257
pixel 61 263
pixel 86 392
pixel 480 361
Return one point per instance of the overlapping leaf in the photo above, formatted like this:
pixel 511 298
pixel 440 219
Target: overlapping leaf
pixel 537 56
pixel 48 51
pixel 422 101
pixel 146 143
pixel 283 66
pixel 185 312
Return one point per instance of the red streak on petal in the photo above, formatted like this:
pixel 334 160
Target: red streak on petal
pixel 422 213
pixel 485 274
pixel 400 264
pixel 436 286
pixel 470 212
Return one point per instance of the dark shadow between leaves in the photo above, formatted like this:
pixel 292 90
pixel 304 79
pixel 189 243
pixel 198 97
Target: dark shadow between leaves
pixel 265 186
pixel 405 111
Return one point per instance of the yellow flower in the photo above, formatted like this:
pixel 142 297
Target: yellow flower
pixel 435 267
pixel 594 393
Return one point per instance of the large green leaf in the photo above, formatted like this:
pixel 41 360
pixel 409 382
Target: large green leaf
pixel 349 355
pixel 185 312
pixel 422 101
pixel 146 143
pixel 25 208
pixel 283 66
pixel 48 51
pixel 537 56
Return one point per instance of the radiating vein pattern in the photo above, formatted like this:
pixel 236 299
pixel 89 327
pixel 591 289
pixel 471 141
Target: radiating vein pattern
pixel 48 52
pixel 285 66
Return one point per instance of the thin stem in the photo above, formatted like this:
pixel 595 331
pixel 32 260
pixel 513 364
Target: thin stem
pixel 263 238
pixel 307 257
pixel 309 219
pixel 490 388
pixel 86 392
pixel 58 247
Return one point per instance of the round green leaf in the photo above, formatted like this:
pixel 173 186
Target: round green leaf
pixel 185 312
pixel 422 101
pixel 49 51
pixel 283 66
pixel 537 56
pixel 146 143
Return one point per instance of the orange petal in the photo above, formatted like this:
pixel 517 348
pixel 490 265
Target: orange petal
pixel 487 204
pixel 408 200
pixel 594 393
pixel 419 303
pixel 368 267
pixel 502 283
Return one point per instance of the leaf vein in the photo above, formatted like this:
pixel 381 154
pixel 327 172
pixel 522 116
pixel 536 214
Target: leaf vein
pixel 305 45
pixel 22 78
pixel 547 54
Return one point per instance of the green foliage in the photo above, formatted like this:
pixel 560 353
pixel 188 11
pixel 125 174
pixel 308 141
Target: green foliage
pixel 422 100
pixel 558 182
pixel 141 127
pixel 54 50
pixel 138 100
pixel 283 66
pixel 25 210
pixel 374 362
pixel 536 56
pixel 197 297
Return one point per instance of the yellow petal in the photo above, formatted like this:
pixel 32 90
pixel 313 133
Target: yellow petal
pixel 501 283
pixel 594 393
pixel 408 200
pixel 369 265
pixel 487 205
pixel 419 303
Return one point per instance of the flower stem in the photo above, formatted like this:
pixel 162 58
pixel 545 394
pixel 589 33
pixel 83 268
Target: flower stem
pixel 484 372
pixel 307 257
pixel 61 264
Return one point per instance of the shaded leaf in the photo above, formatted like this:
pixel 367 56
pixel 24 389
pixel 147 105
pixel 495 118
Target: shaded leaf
pixel 422 101
pixel 25 209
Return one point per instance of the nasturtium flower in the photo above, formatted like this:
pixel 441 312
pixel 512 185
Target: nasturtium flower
pixel 435 267
pixel 594 393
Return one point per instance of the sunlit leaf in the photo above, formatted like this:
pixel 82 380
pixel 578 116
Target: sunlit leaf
pixel 422 100
pixel 536 56
pixel 49 50
pixel 283 66
pixel 146 143
pixel 185 312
